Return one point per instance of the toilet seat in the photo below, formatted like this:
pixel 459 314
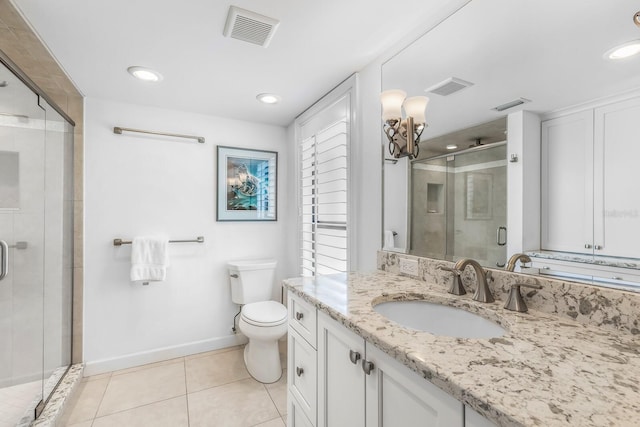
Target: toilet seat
pixel 264 313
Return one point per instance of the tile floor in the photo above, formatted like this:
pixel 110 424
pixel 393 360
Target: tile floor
pixel 203 390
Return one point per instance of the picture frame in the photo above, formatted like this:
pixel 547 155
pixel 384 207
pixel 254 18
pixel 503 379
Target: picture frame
pixel 247 184
pixel 479 196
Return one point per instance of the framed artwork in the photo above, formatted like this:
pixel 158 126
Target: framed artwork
pixel 479 195
pixel 247 184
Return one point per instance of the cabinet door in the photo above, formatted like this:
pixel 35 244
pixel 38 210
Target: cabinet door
pixel 567 183
pixel 340 381
pixel 397 396
pixel 617 200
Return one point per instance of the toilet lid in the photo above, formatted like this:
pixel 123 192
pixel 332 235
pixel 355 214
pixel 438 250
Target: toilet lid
pixel 264 313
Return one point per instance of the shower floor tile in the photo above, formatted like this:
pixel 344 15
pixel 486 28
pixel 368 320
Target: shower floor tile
pixel 184 392
pixel 15 400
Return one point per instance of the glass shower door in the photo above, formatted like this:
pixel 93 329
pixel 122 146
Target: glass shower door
pixel 478 216
pixel 459 206
pixel 22 212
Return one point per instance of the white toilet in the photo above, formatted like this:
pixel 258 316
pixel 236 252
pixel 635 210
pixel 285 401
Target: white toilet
pixel 261 320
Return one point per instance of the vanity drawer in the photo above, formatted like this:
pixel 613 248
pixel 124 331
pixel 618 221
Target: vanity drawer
pixel 302 318
pixel 295 416
pixel 302 374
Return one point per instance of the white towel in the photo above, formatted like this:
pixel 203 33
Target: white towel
pixel 389 243
pixel 149 259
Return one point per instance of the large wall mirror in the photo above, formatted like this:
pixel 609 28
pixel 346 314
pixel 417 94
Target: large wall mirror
pixel 487 62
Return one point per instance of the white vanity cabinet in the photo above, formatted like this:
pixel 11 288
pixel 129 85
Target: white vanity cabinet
pixel 590 200
pixel 359 385
pixel 474 419
pixel 302 367
pixel 337 379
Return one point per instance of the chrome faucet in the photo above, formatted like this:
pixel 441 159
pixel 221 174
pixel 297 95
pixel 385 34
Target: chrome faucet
pixel 483 293
pixel 511 264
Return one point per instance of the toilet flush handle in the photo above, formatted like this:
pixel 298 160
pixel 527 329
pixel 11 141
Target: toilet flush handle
pixel 235 276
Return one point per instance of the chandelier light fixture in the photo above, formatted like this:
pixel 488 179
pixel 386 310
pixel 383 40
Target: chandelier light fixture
pixel 403 134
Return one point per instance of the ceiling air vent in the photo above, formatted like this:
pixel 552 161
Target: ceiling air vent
pixel 449 86
pixel 511 104
pixel 249 26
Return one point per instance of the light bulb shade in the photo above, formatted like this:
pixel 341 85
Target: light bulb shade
pixel 392 104
pixel 415 107
pixel 624 50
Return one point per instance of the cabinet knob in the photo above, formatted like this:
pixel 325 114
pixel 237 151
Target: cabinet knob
pixel 299 315
pixel 587 246
pixel 354 356
pixel 367 367
pixel 299 371
pixel 597 247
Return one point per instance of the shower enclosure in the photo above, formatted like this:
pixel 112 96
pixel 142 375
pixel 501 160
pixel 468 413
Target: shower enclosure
pixel 36 249
pixel 459 205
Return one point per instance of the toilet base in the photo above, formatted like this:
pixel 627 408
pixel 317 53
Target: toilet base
pixel 262 359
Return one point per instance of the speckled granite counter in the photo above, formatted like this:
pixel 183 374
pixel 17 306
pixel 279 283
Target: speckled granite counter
pixel 545 371
pixel 630 263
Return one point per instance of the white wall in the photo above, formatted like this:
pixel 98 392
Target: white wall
pixel 146 185
pixel 367 162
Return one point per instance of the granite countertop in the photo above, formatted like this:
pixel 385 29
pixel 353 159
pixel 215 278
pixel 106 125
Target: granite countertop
pixel 587 259
pixel 545 371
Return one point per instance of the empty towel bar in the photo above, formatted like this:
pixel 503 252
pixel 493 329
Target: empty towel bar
pixel 119 131
pixel 120 242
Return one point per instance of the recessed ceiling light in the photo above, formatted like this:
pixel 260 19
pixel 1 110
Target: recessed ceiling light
pixel 268 98
pixel 451 147
pixel 145 74
pixel 624 50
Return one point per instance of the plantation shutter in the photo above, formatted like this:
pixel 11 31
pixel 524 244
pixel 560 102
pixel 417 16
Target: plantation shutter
pixel 324 184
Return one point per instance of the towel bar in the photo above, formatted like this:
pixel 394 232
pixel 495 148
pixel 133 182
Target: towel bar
pixel 119 130
pixel 120 242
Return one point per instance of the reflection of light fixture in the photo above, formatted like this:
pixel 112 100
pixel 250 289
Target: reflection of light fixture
pixel 145 74
pixel 268 98
pixel 624 50
pixel 403 135
pixel 451 147
pixel 627 49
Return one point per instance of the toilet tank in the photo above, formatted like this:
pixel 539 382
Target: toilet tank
pixel 251 280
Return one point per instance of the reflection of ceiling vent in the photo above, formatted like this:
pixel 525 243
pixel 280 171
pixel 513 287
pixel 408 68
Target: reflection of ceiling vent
pixel 511 104
pixel 249 26
pixel 449 86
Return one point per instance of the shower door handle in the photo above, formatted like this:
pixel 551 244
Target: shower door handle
pixel 4 259
pixel 501 236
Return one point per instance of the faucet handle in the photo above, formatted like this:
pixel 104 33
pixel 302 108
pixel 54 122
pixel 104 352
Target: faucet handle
pixel 515 302
pixel 456 287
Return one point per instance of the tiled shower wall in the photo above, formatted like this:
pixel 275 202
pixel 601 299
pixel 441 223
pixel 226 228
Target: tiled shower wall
pixel 20 44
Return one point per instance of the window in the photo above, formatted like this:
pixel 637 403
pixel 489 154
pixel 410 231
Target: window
pixel 323 142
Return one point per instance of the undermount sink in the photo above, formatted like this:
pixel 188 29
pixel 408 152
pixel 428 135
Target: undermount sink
pixel 438 319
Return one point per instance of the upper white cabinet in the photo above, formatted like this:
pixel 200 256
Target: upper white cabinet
pixel 589 173
pixel 616 177
pixel 567 183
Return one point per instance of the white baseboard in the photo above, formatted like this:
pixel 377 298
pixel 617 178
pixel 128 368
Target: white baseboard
pixel 161 354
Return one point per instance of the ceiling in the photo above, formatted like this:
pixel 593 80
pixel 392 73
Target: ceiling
pixel 316 46
pixel 547 51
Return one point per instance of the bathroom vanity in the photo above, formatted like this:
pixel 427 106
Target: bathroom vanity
pixel 350 365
